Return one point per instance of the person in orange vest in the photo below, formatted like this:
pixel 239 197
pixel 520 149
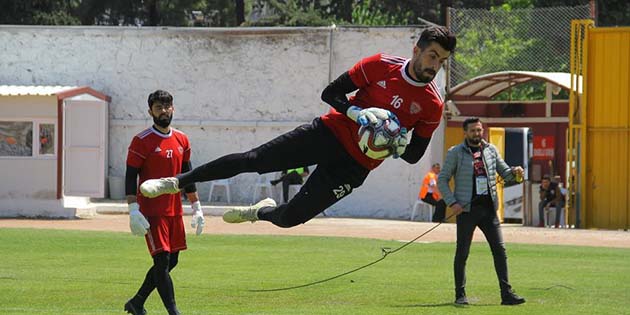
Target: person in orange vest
pixel 430 194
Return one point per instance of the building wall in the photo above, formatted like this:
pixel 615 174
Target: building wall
pixel 234 88
pixel 29 184
pixel 27 107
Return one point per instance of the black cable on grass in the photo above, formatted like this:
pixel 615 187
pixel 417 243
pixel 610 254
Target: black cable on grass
pixel 384 250
pixel 554 286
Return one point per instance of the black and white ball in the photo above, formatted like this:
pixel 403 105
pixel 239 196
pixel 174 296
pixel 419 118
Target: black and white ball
pixel 378 141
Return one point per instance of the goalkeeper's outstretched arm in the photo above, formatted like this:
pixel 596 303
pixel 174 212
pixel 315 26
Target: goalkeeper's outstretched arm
pixel 335 93
pixel 415 149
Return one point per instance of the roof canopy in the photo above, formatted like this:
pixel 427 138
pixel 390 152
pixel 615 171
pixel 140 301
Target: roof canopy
pixel 491 84
pixel 61 92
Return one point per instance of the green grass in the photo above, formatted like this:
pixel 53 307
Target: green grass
pixel 76 272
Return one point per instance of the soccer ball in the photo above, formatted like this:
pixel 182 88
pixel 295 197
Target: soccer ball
pixel 378 141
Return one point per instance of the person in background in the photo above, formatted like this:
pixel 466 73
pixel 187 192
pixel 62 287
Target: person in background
pixel 474 164
pixel 156 152
pixel 550 196
pixel 294 176
pixel 430 193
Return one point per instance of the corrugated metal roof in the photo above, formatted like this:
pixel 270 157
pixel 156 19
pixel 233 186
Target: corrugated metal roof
pixel 39 90
pixel 488 85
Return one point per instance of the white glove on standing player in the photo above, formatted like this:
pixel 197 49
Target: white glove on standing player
pixel 197 218
pixel 137 222
pixel 401 143
pixel 372 115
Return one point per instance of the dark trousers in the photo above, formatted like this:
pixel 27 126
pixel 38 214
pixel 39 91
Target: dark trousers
pixel 440 207
pixel 486 219
pixel 336 175
pixel 541 211
pixel 287 180
pixel 159 277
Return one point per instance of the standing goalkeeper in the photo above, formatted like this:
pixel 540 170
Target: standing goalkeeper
pixel 155 152
pixel 388 86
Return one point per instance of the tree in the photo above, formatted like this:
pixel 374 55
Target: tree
pixel 43 12
pixel 364 13
pixel 288 13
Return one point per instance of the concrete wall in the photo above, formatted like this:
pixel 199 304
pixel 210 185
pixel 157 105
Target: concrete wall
pixel 234 88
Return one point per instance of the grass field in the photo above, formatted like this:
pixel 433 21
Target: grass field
pixel 76 272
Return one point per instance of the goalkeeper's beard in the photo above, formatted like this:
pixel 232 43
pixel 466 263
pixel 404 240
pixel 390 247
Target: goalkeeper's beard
pixel 163 120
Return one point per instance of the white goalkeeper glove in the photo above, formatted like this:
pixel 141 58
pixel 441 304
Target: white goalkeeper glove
pixel 401 143
pixel 372 115
pixel 137 222
pixel 197 218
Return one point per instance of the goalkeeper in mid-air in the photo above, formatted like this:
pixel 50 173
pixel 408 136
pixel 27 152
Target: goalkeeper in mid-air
pixel 389 87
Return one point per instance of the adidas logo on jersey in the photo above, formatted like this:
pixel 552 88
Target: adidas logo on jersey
pixel 157 149
pixel 382 84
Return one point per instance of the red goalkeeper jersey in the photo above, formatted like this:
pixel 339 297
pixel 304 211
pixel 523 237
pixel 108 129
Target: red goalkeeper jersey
pixel 384 83
pixel 159 155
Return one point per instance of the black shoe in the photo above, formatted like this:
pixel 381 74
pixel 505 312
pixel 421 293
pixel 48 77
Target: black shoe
pixel 462 300
pixel 134 309
pixel 511 298
pixel 173 311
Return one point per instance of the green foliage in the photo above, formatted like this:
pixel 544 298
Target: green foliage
pixel 526 91
pixel 42 12
pixel 512 37
pixel 291 13
pixel 483 47
pixel 366 13
pixel 54 18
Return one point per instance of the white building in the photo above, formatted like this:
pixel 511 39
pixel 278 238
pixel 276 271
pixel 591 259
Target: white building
pixel 53 144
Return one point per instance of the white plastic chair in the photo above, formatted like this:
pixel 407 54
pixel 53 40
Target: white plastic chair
pixel 424 207
pixel 550 216
pixel 223 183
pixel 262 183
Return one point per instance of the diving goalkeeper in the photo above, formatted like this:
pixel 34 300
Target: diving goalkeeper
pixel 388 86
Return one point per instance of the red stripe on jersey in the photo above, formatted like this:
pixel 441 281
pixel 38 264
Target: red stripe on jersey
pixel 364 75
pixel 137 153
pixel 435 89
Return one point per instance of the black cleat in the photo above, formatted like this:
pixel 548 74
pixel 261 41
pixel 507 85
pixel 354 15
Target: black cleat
pixel 134 309
pixel 511 298
pixel 462 300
